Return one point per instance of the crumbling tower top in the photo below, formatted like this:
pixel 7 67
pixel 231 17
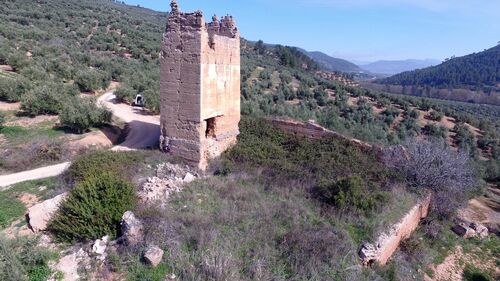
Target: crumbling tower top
pixel 200 86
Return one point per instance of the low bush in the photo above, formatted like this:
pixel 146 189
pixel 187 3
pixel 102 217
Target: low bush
pixel 95 163
pixel 79 115
pixel 349 194
pixel 22 259
pixel 472 273
pixel 93 209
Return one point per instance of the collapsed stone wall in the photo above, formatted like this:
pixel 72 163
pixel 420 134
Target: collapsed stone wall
pixel 200 86
pixel 314 131
pixel 387 243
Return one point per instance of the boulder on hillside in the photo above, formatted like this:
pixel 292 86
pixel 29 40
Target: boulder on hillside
pixel 368 254
pixel 463 230
pixel 39 215
pixel 153 255
pixel 132 229
pixel 99 248
pixel 481 230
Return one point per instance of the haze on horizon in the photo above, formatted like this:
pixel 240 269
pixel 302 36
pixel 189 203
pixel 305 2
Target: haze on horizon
pixel 361 30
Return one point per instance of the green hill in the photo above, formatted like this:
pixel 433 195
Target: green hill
pixel 479 70
pixel 87 44
pixel 329 63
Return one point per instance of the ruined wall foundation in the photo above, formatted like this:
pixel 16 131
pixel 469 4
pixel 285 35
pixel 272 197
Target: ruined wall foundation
pixel 200 86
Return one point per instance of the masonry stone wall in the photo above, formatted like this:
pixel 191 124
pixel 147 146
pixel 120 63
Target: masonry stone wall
pixel 200 86
pixel 387 243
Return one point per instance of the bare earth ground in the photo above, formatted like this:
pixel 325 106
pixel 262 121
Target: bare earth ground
pixel 484 209
pixel 5 106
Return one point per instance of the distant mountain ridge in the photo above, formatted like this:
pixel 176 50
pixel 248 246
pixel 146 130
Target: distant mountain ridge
pixel 329 63
pixel 478 70
pixel 392 67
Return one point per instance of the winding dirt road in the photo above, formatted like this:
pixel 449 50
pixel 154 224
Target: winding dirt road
pixel 144 129
pixel 144 132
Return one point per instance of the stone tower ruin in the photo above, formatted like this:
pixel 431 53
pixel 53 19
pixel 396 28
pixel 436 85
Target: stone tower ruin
pixel 200 86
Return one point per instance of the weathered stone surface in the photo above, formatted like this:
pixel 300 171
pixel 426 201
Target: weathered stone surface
pixel 99 248
pixel 464 230
pixel 481 230
pixel 387 243
pixel 39 215
pixel 132 229
pixel 200 86
pixel 70 263
pixel 469 230
pixel 189 178
pixel 153 255
pixel 368 253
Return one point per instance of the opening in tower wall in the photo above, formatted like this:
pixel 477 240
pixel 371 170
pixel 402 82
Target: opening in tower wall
pixel 211 125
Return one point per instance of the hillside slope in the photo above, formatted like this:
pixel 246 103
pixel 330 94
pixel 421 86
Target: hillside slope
pixel 333 64
pixel 84 45
pixel 476 70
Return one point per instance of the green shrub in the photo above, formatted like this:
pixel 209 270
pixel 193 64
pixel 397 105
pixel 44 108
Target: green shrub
pixel 95 163
pixel 22 259
pixel 349 193
pixel 472 273
pixel 43 99
pixel 79 115
pixel 93 209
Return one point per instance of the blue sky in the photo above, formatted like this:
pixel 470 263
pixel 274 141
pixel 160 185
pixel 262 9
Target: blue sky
pixel 361 30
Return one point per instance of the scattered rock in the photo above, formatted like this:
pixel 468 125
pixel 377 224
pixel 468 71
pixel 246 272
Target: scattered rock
pixel 169 179
pixel 469 230
pixel 367 254
pixel 39 215
pixel 153 255
pixel 169 170
pixel 42 188
pixel 464 230
pixel 481 230
pixel 156 189
pixel 189 178
pixel 70 263
pixel 99 248
pixel 132 228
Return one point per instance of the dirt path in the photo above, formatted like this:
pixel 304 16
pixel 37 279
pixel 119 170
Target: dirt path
pixel 144 132
pixel 144 129
pixel 36 174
